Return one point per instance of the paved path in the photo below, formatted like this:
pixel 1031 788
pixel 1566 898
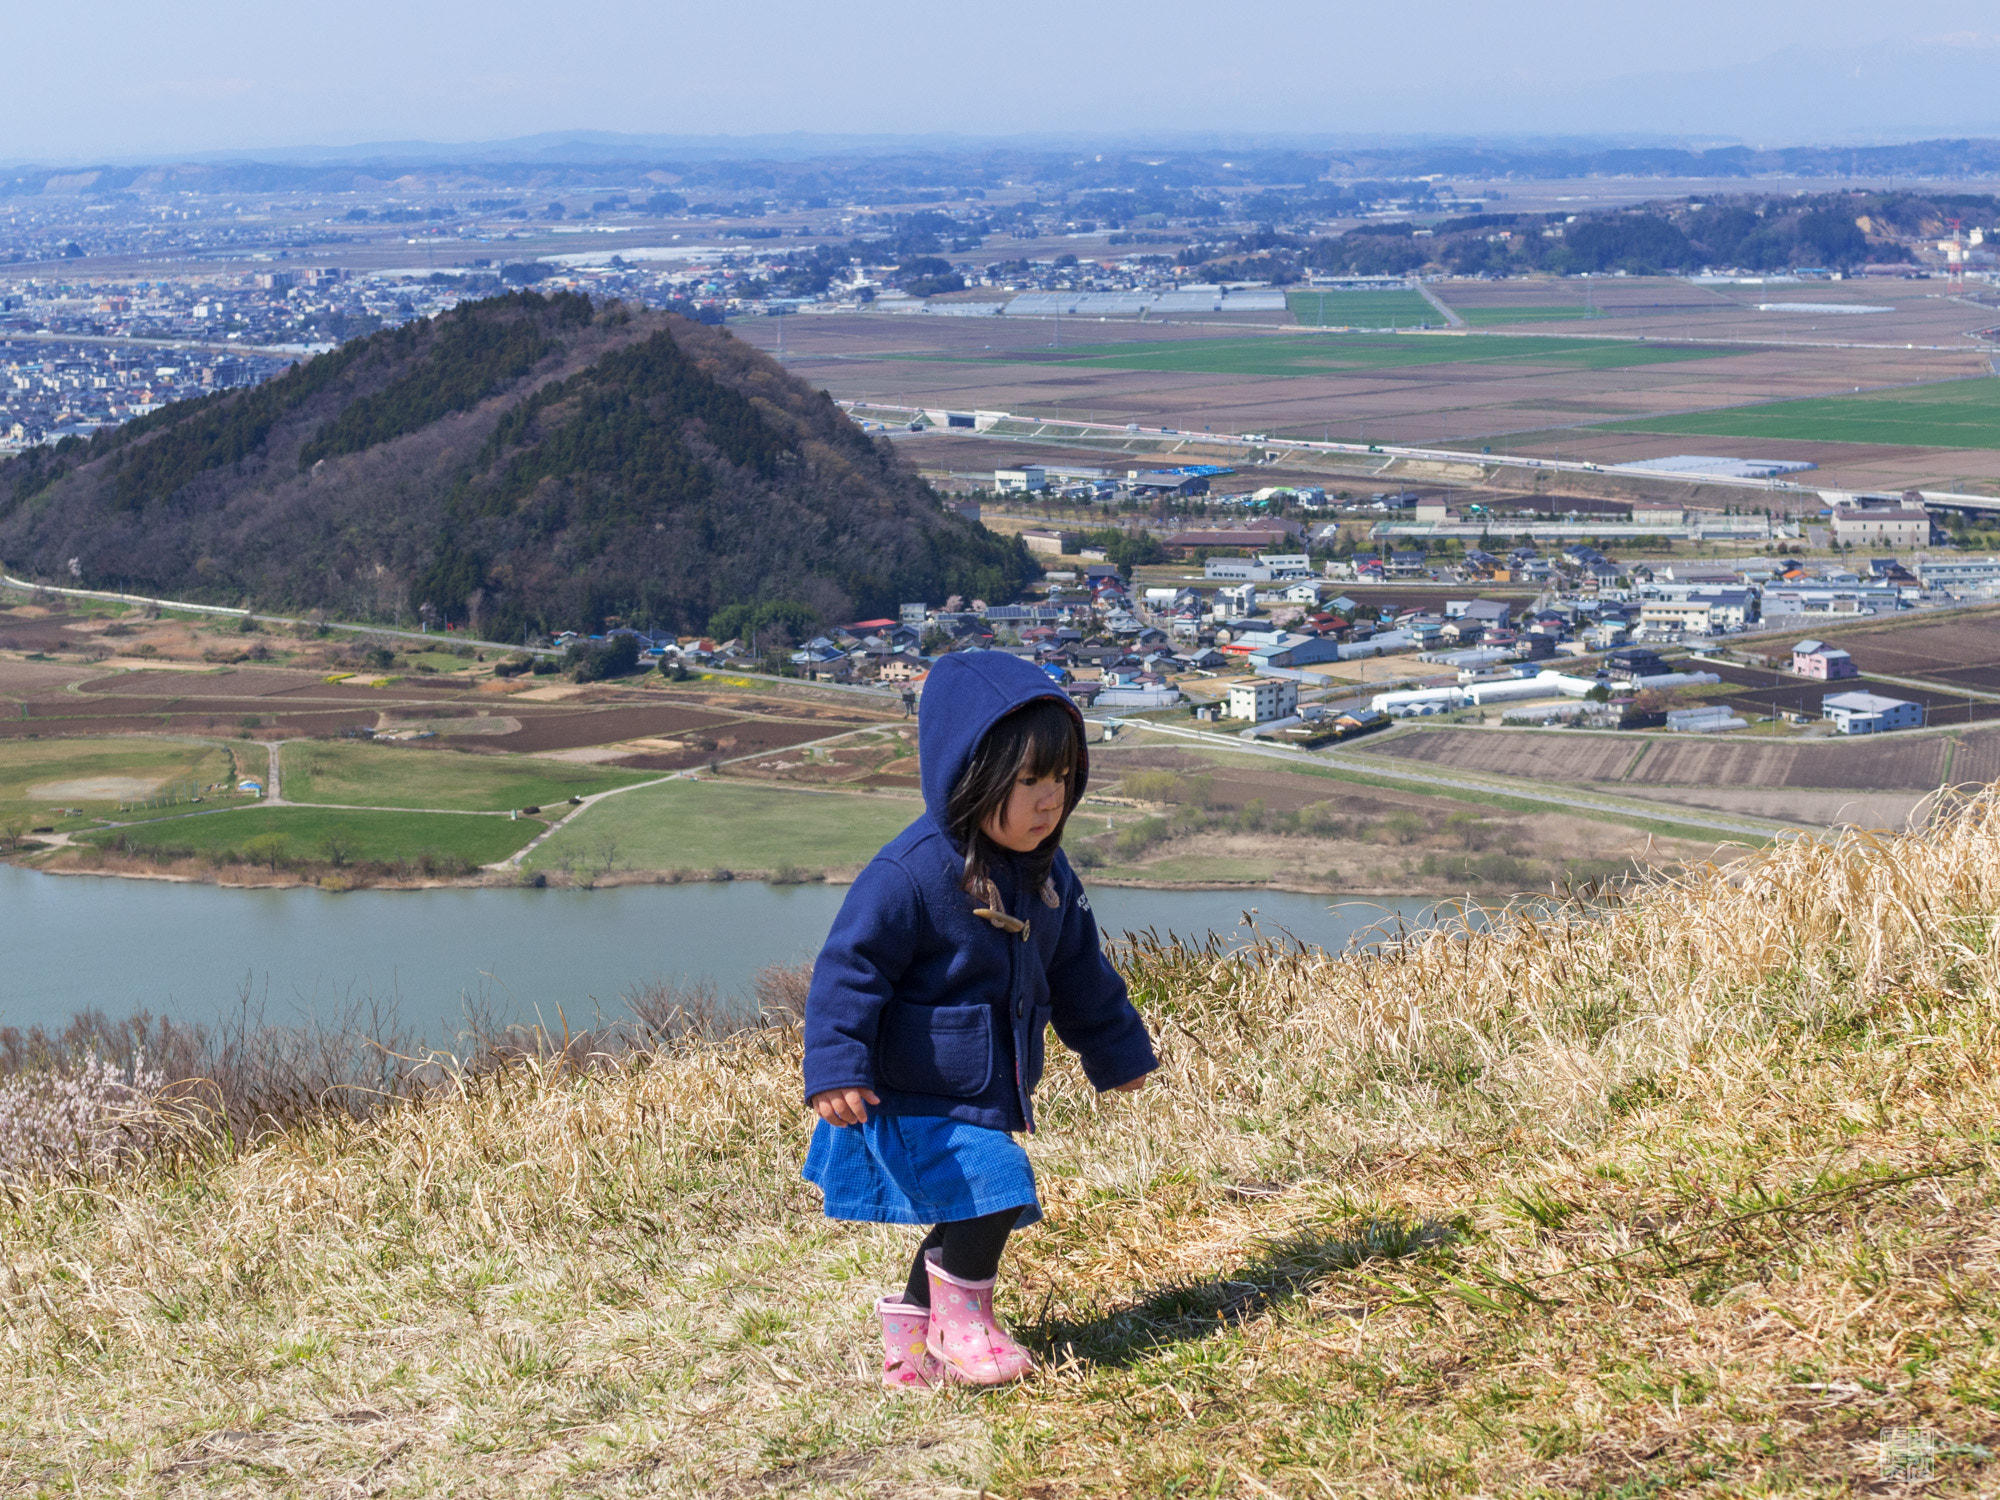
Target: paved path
pixel 1451 318
pixel 1387 768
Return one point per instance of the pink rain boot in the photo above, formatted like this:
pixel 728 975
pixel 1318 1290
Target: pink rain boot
pixel 966 1342
pixel 906 1362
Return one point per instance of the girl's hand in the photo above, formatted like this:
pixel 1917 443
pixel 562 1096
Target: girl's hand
pixel 844 1106
pixel 1130 1086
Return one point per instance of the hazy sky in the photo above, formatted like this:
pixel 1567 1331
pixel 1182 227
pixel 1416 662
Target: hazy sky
pixel 97 78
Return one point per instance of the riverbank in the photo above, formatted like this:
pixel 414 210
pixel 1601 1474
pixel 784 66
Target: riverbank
pixel 1696 1197
pixel 335 881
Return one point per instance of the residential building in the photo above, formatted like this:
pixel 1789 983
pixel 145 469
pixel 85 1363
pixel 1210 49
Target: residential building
pixel 1869 713
pixel 1262 699
pixel 1826 663
pixel 1633 663
pixel 1677 616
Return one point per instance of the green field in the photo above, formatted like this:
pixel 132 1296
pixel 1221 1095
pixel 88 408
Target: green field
pixel 100 776
pixel 1486 317
pixel 1386 309
pixel 699 825
pixel 1957 414
pixel 1332 354
pixel 304 833
pixel 355 773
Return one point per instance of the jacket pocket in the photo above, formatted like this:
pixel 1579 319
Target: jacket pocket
pixel 938 1049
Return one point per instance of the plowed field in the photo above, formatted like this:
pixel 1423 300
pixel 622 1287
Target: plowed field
pixel 1884 763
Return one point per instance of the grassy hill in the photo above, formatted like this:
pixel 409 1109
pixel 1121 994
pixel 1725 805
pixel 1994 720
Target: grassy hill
pixel 526 462
pixel 1692 1191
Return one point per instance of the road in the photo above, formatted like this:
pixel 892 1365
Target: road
pixel 218 346
pixel 1386 768
pixel 428 637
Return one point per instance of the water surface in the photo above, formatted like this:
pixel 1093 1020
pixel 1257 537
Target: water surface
pixel 188 950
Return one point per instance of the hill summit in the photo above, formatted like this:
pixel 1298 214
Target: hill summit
pixel 521 464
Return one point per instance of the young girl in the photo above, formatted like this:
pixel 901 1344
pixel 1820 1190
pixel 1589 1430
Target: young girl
pixel 955 949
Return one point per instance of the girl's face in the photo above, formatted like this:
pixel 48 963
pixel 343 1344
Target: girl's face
pixel 1031 812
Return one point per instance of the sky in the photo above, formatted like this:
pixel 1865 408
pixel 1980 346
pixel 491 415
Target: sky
pixel 103 79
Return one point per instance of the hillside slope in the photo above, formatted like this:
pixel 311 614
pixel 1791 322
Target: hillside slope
pixel 521 463
pixel 1687 1193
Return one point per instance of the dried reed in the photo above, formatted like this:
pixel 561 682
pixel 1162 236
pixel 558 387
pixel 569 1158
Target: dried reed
pixel 1688 1187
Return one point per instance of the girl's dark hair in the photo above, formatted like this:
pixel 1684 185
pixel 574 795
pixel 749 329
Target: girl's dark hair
pixel 1038 739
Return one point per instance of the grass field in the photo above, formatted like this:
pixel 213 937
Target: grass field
pixel 1486 317
pixel 1326 354
pixel 356 773
pixel 1958 414
pixel 1690 1195
pixel 687 825
pixel 1387 309
pixel 303 833
pixel 99 776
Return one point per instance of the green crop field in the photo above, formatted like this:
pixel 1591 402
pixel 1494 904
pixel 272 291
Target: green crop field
pixel 305 833
pixel 1333 354
pixel 356 773
pixel 699 825
pixel 1957 414
pixel 1386 309
pixel 101 775
pixel 1486 317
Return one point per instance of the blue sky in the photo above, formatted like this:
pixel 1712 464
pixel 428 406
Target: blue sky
pixel 99 78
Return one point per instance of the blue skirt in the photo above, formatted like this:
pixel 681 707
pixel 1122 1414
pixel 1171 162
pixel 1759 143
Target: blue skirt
pixel 919 1169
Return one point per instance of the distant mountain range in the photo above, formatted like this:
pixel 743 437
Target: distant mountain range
pixel 523 464
pixel 816 168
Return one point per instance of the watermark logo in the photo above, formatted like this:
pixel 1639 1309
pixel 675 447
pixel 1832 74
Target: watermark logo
pixel 1909 1453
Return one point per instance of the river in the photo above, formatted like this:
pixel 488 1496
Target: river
pixel 190 950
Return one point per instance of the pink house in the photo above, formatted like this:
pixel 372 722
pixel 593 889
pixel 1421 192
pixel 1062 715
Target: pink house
pixel 1827 663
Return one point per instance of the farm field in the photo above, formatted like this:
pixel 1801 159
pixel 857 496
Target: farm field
pixel 304 833
pixel 1962 651
pixel 702 825
pixel 100 775
pixel 1957 414
pixel 1487 317
pixel 1330 353
pixel 1350 309
pixel 1899 762
pixel 1553 395
pixel 1764 692
pixel 359 773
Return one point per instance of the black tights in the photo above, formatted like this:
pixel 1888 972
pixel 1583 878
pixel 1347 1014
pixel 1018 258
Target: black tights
pixel 970 1251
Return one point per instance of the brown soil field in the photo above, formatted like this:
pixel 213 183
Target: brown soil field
pixel 1761 695
pixel 1872 763
pixel 1976 759
pixel 604 726
pixel 965 363
pixel 39 633
pixel 1542 757
pixel 34 729
pixel 1965 648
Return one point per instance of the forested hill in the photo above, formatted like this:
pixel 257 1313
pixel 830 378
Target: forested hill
pixel 524 463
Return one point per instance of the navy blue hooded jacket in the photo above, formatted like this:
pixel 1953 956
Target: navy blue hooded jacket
pixel 935 1009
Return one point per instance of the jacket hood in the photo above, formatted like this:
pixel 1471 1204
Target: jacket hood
pixel 966 694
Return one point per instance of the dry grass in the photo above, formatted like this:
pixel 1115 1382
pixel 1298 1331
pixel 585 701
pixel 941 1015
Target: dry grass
pixel 1694 1196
